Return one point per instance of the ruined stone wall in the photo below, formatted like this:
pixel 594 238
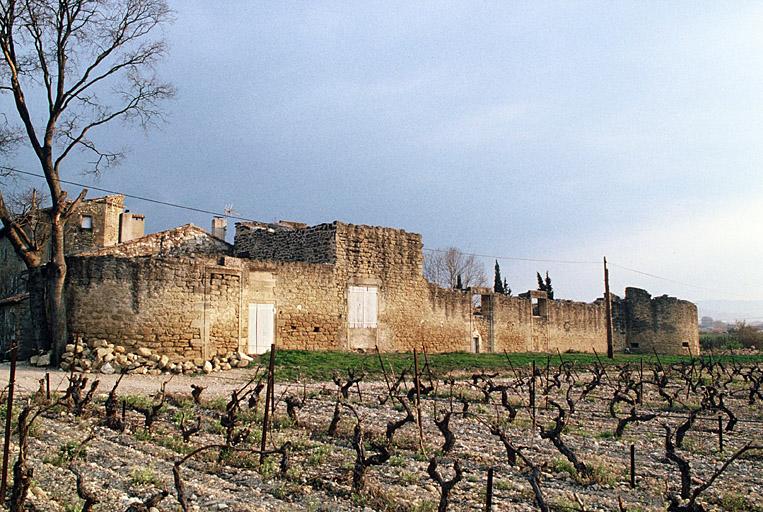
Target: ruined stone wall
pixel 411 313
pixel 665 324
pixel 187 240
pixel 576 326
pixel 11 269
pixel 104 212
pixel 149 293
pixel 512 323
pixel 314 244
pixel 187 307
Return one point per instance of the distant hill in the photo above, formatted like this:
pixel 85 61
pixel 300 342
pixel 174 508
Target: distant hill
pixel 731 310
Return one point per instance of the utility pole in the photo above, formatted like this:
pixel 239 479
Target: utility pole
pixel 608 306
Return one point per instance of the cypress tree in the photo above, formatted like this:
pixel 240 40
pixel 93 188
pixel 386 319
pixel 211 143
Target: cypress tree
pixel 506 289
pixel 459 284
pixel 549 289
pixel 497 282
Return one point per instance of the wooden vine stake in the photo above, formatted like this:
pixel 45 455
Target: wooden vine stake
pixel 417 381
pixel 269 393
pixel 8 420
pixel 633 466
pixel 489 497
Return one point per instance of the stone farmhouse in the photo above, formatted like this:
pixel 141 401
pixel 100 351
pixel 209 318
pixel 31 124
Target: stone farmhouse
pixel 189 294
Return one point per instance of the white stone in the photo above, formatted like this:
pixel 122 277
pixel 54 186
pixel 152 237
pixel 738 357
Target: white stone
pixel 144 352
pixel 207 367
pixel 102 352
pixel 33 360
pixel 107 369
pixel 245 357
pixel 44 360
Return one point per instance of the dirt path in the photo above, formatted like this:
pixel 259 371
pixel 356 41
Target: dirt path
pixel 217 384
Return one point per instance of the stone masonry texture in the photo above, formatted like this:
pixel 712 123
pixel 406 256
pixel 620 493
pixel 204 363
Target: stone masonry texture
pixel 187 294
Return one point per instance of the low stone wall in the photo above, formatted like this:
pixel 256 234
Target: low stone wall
pixel 181 306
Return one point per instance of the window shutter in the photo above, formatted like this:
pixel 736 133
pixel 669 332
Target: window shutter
pixel 355 303
pixel 370 307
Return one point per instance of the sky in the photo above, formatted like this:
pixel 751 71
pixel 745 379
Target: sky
pixel 563 131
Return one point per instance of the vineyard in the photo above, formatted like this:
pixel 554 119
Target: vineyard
pixel 555 434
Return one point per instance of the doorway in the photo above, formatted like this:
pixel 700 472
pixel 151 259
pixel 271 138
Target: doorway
pixel 261 328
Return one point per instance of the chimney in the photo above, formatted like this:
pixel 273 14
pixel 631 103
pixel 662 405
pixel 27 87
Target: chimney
pixel 131 226
pixel 219 227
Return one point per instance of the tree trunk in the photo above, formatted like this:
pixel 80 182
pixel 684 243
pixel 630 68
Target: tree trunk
pixel 56 274
pixel 36 285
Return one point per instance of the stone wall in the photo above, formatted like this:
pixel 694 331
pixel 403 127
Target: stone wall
pixel 150 293
pixel 188 307
pixel 309 302
pixel 665 324
pixel 104 212
pixel 12 268
pixel 187 240
pixel 316 244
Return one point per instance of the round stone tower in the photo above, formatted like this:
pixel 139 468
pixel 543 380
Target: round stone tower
pixel 663 324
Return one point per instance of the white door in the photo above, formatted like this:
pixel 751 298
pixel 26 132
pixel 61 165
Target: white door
pixel 261 327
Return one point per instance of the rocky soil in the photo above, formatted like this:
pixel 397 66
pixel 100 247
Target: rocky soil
pixel 123 468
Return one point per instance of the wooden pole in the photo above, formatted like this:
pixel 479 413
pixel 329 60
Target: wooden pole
pixel 532 396
pixel 384 370
pixel 417 378
pixel 268 403
pixel 8 420
pixel 47 385
pixel 489 498
pixel 633 466
pixel 720 433
pixel 640 380
pixel 608 306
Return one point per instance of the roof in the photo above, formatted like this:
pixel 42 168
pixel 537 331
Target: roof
pixel 187 240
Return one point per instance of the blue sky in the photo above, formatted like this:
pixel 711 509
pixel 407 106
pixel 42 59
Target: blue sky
pixel 560 130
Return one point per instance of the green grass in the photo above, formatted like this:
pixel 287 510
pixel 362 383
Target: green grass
pixel 320 365
pixel 143 476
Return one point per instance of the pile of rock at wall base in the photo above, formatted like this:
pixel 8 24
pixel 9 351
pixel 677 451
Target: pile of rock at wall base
pixel 100 356
pixel 40 360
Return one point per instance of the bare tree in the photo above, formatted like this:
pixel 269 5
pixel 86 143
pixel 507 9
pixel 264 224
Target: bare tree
pixel 443 267
pixel 92 62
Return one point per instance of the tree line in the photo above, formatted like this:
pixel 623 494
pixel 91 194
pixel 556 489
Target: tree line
pixel 453 268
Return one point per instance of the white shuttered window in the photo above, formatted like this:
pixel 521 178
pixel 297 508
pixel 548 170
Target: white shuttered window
pixel 363 302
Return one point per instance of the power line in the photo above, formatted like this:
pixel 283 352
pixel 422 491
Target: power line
pixel 140 198
pixel 514 258
pixel 665 278
pixel 235 217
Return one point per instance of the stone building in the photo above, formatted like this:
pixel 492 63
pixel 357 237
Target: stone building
pixel 97 223
pixel 337 286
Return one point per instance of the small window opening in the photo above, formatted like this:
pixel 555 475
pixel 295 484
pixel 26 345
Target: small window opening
pixel 536 306
pixel 316 329
pixel 87 222
pixel 634 345
pixel 476 345
pixel 685 344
